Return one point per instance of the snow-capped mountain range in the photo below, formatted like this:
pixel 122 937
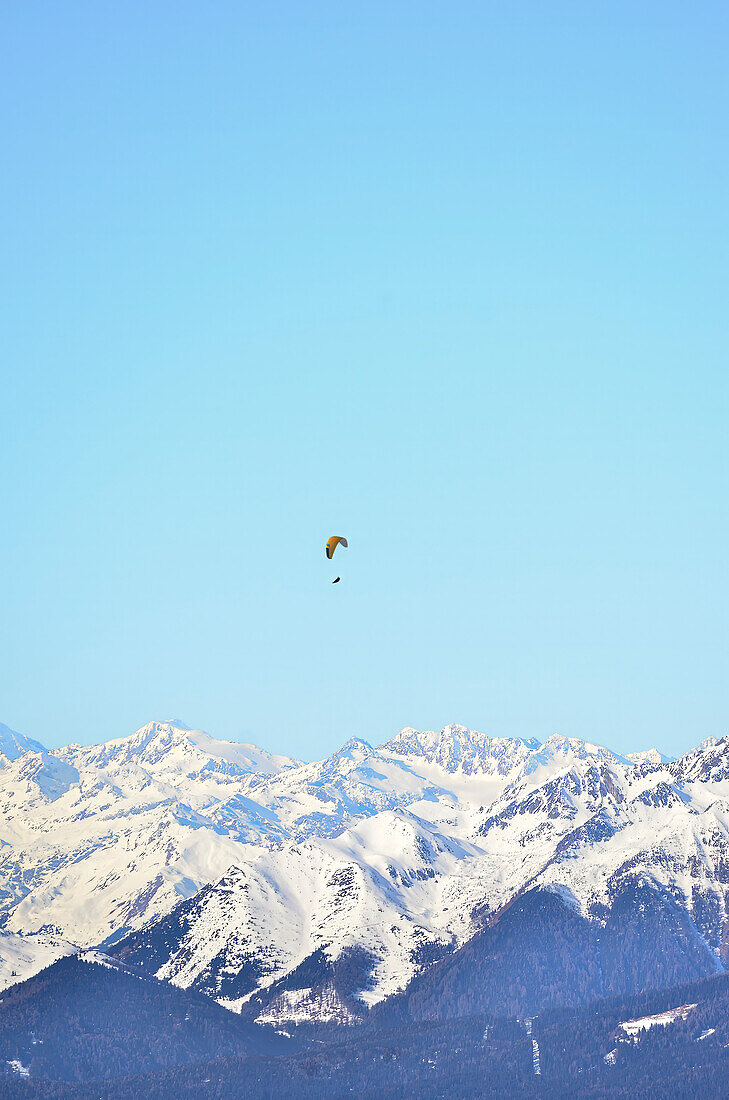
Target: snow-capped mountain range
pixel 261 880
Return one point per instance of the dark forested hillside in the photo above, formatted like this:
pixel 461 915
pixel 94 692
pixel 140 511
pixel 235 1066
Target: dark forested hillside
pixel 540 953
pixel 79 1021
pixel 580 1052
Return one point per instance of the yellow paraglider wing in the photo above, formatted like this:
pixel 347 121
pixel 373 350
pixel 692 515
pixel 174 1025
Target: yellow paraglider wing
pixel 333 543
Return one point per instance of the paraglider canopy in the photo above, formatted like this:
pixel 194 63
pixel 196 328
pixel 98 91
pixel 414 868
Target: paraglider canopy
pixel 333 543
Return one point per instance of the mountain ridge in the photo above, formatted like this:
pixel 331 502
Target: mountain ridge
pixel 317 890
pixel 423 740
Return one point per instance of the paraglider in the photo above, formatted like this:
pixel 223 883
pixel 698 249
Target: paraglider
pixel 333 543
pixel 331 546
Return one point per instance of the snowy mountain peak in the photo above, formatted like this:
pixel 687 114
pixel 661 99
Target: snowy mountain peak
pixel 248 757
pixel 158 733
pixel 52 776
pixel 457 748
pixel 574 749
pixel 431 743
pixel 166 730
pixel 164 749
pixel 13 745
pixel 708 763
pixel 648 756
pixel 532 742
pixel 356 749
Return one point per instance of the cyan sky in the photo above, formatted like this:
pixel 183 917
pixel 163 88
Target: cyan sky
pixel 448 279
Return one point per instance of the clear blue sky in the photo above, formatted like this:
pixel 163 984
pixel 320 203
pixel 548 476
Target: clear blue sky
pixel 449 279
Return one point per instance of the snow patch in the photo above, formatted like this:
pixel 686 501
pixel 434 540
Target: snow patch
pixel 660 1019
pixel 17 1067
pixel 300 1006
